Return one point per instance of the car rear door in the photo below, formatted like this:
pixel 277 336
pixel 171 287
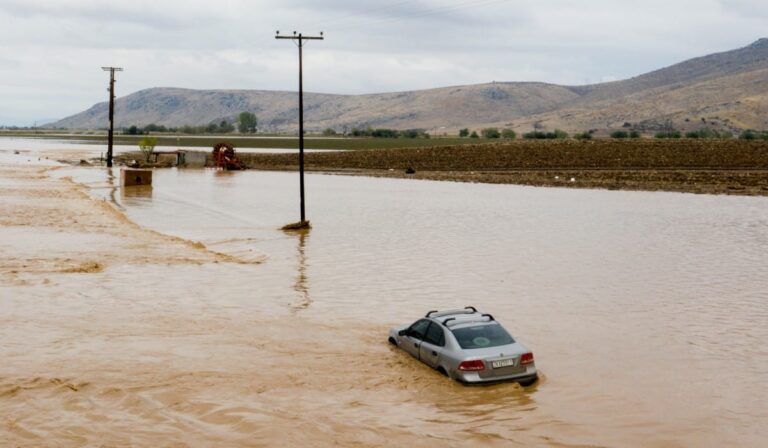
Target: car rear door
pixel 414 337
pixel 432 346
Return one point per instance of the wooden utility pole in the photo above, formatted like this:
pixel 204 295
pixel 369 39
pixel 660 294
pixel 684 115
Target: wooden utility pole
pixel 300 39
pixel 111 71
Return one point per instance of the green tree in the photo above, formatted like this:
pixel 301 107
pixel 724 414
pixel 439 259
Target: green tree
pixel 226 127
pixel 147 146
pixel 748 135
pixel 668 134
pixel 490 133
pixel 464 133
pixel 634 134
pixel 246 123
pixel 508 134
pixel 474 135
pixel 329 132
pixel 619 134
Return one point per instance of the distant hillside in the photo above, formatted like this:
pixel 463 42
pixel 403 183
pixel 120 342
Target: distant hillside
pixel 728 89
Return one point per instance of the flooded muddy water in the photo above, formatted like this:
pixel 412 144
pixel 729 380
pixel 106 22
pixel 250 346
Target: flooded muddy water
pixel 647 314
pixel 53 148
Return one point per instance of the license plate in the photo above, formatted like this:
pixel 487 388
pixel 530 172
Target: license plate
pixel 503 363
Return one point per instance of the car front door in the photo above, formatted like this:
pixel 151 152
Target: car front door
pixel 432 346
pixel 414 336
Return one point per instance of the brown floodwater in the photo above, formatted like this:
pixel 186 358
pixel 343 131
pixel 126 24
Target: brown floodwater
pixel 647 312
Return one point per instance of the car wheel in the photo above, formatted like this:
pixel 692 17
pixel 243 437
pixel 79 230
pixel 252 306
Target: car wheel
pixel 393 341
pixel 530 382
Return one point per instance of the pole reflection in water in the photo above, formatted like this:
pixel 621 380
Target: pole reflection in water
pixel 112 187
pixel 301 278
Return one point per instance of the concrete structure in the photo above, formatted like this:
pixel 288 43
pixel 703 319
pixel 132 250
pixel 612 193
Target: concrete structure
pixel 130 177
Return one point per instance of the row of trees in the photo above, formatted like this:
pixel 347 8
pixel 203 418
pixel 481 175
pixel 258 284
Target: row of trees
pixel 380 133
pixel 558 134
pixel 489 133
pixel 246 124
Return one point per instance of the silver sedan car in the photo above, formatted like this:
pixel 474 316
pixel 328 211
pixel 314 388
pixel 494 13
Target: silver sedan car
pixel 467 346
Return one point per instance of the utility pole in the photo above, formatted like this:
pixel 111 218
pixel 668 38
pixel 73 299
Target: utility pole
pixel 111 71
pixel 300 39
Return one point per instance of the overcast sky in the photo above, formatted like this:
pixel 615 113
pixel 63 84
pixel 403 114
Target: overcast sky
pixel 52 50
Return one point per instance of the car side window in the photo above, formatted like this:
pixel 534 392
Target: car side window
pixel 418 329
pixel 435 335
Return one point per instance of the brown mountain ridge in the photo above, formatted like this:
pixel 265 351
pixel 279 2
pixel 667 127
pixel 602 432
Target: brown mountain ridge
pixel 727 90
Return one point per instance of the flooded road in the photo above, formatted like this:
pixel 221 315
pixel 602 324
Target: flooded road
pixel 647 313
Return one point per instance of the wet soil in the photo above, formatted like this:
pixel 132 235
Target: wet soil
pixel 697 166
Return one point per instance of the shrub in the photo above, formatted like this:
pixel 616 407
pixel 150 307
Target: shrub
pixel 133 130
pixel 490 133
pixel 668 134
pixel 474 135
pixel 535 135
pixel 464 132
pixel 748 135
pixel 152 127
pixel 620 134
pixel 709 133
pixel 413 133
pixel 583 136
pixel 147 146
pixel 384 133
pixel 329 132
pixel 634 134
pixel 560 134
pixel 508 134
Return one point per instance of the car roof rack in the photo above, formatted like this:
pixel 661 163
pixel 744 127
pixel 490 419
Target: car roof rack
pixel 470 320
pixel 465 310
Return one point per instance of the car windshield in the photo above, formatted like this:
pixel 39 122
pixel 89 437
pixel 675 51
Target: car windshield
pixel 482 336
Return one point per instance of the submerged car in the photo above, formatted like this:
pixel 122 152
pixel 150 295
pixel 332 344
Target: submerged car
pixel 468 346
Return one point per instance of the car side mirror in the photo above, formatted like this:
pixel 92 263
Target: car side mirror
pixel 403 332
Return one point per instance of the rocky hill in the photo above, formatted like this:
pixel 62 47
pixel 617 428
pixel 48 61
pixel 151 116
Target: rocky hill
pixel 728 89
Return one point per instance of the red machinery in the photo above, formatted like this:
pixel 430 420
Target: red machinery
pixel 224 157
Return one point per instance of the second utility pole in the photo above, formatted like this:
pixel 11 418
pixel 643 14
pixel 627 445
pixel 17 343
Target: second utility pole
pixel 300 39
pixel 111 71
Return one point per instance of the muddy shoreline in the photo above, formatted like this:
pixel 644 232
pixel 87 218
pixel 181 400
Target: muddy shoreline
pixel 733 167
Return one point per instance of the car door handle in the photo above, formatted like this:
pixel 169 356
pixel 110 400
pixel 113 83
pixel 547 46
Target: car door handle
pixel 434 353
